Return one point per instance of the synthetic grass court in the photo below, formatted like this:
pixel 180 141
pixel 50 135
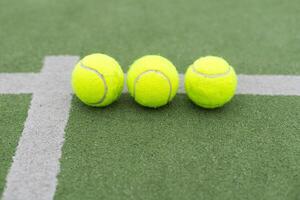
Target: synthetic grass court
pixel 181 152
pixel 13 114
pixel 250 149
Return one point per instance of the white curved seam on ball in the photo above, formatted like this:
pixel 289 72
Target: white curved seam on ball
pixel 101 76
pixel 155 71
pixel 211 75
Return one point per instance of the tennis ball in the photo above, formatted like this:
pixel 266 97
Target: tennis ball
pixel 97 80
pixel 210 82
pixel 152 81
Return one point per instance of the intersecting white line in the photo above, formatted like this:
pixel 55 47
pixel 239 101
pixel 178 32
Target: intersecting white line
pixel 36 162
pixel 18 83
pixel 273 85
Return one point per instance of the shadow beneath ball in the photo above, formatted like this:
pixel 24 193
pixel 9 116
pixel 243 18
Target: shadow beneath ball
pixel 225 108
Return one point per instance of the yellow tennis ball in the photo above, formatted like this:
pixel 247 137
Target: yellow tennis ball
pixel 152 81
pixel 97 80
pixel 210 82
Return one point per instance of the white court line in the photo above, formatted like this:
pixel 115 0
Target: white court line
pixel 18 83
pixel 269 85
pixel 36 162
pixel 272 85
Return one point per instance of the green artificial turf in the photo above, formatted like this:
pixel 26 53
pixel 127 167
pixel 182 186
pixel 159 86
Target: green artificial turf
pixel 257 36
pixel 13 112
pixel 250 149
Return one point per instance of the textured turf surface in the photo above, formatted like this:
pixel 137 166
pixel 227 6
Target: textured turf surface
pixel 13 111
pixel 258 36
pixel 249 149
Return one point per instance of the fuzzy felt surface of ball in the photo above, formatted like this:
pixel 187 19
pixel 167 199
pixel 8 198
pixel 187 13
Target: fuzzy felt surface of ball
pixel 97 80
pixel 210 82
pixel 152 81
